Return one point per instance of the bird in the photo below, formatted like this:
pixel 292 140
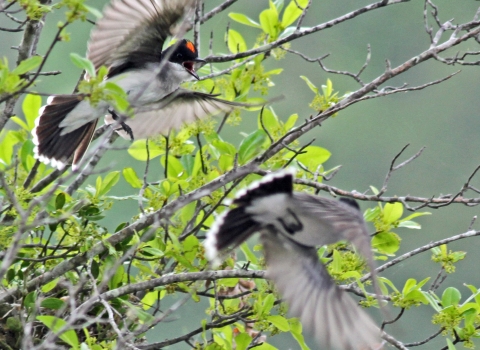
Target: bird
pixel 291 226
pixel 129 40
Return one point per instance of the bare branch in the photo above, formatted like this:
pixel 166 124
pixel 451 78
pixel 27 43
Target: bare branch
pixel 299 34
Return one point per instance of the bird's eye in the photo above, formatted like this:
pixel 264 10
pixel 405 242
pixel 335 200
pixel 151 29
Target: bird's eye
pixel 179 55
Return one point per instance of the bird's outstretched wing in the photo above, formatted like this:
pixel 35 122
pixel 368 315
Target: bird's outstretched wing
pixel 133 31
pixel 172 112
pixel 326 312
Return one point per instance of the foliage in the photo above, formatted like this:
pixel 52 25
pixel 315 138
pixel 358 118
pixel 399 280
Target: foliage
pixel 82 285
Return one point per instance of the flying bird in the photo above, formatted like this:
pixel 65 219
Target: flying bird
pixel 129 40
pixel 291 226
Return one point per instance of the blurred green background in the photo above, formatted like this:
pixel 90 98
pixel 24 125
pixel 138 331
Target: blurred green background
pixel 363 139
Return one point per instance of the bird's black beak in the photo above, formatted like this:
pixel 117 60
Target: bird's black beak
pixel 199 60
pixel 194 64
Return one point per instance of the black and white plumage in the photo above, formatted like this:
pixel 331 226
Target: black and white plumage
pixel 292 225
pixel 128 39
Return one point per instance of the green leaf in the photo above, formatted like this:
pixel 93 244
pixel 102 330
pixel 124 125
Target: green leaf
pixel 415 215
pixel 409 285
pixel 175 168
pixel 52 303
pixel 310 84
pixel 242 341
pixel 264 346
pixel 450 345
pixel 27 65
pixel 60 201
pixel 236 43
pixel 423 282
pixel 267 304
pixel 327 89
pixel 55 324
pixel 337 262
pixel 93 11
pixel 20 122
pixel 241 18
pixel 392 212
pixel 248 253
pixel 278 5
pixel 475 293
pixel 410 224
pixel 433 301
pixel 117 278
pixel 296 330
pixel 190 247
pixel 95 268
pixel 274 72
pixel 30 106
pixel 251 145
pixel 131 177
pixel 197 164
pixel 313 156
pixel 386 281
pixel 280 322
pixel 83 63
pixel 187 212
pixel 372 213
pixel 149 299
pixel 117 96
pixel 417 295
pixel 292 12
pixel 108 182
pixel 386 242
pixel 269 119
pixel 225 162
pixel 50 285
pixel 469 316
pixel 269 22
pixel 228 282
pixel 290 30
pixel 224 147
pixel 188 163
pixel 153 252
pixel 451 296
pixel 273 5
pixel 26 155
pixel 30 299
pixel 290 123
pixel 6 147
pixel 138 150
pixel 115 88
pixel 457 256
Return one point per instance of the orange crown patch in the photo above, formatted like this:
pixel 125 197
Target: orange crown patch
pixel 191 47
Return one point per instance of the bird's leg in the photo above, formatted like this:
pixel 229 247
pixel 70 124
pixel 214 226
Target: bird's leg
pixel 124 126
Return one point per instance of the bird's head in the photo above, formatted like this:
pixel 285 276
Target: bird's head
pixel 185 54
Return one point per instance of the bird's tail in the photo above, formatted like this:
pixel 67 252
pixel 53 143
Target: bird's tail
pixel 51 146
pixel 236 225
pixel 229 231
pixel 276 183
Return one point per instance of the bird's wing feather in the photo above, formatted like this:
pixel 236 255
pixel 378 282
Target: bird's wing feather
pixel 339 221
pixel 342 221
pixel 134 29
pixel 328 313
pixel 172 112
